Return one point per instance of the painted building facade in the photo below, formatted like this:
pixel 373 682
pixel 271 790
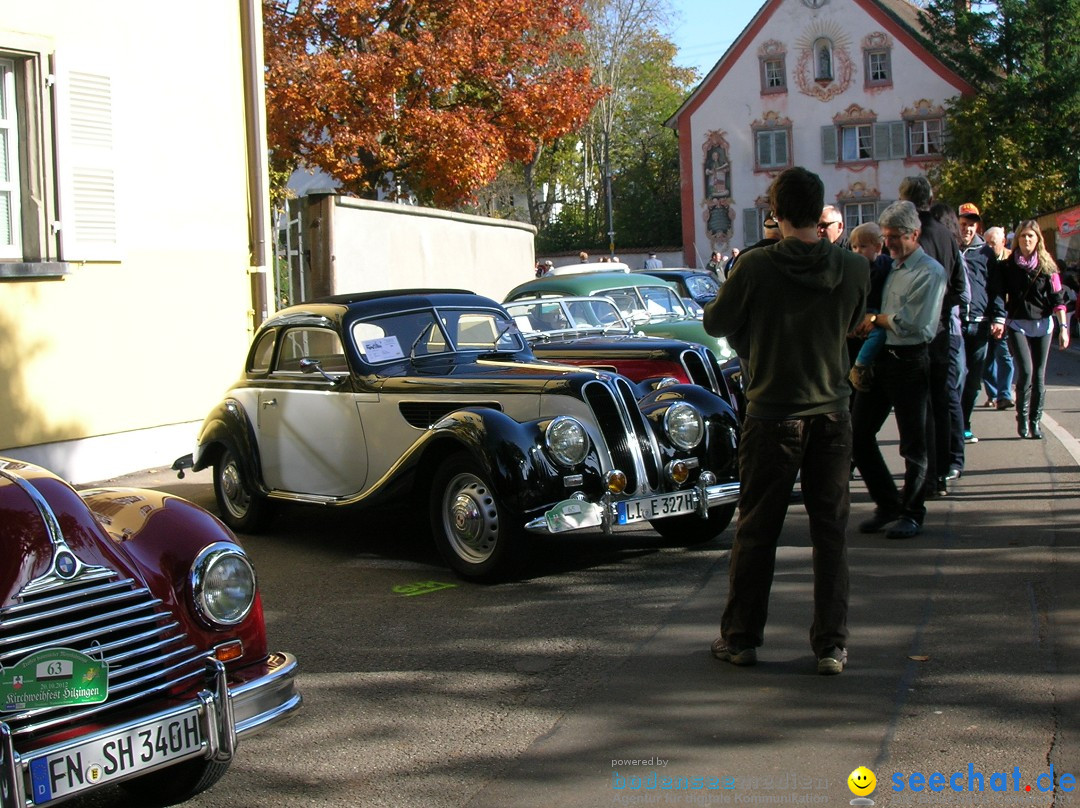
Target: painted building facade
pixel 845 88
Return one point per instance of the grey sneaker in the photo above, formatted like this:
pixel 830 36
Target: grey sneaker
pixel 736 656
pixel 832 661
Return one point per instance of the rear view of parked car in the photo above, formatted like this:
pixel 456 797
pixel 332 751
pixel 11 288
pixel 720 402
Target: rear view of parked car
pixel 132 644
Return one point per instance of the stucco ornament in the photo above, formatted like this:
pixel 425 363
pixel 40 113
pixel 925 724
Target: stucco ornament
pixel 825 67
pixel 717 213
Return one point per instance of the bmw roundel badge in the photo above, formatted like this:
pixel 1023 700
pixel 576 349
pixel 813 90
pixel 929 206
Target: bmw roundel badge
pixel 65 564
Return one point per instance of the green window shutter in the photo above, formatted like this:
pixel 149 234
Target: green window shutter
pixel 750 226
pixel 829 147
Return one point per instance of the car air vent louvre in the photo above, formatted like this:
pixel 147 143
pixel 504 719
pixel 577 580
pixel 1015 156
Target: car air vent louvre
pixel 642 433
pixel 606 407
pixel 148 653
pixel 697 371
pixel 422 414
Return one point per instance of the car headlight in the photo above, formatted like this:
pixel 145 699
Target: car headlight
pixel 223 584
pixel 684 425
pixel 566 440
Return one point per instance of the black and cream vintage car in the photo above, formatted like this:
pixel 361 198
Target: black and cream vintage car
pixel 434 397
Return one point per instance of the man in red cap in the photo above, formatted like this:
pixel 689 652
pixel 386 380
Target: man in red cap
pixel 975 323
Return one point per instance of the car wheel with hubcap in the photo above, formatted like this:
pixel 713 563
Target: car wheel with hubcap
pixel 691 529
pixel 472 530
pixel 242 507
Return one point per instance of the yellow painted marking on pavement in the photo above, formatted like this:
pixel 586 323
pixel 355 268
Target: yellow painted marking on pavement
pixel 421 588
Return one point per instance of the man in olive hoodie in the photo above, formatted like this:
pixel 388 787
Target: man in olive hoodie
pixel 787 310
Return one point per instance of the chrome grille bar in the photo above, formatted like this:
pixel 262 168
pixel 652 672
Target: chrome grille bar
pixel 114 619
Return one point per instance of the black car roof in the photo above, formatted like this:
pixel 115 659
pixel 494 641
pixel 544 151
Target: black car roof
pixel 353 305
pixel 358 297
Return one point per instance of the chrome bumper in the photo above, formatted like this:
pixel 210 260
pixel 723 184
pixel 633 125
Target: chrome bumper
pixel 578 513
pixel 224 714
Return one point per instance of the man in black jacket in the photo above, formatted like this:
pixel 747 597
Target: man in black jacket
pixel 787 310
pixel 974 317
pixel 945 427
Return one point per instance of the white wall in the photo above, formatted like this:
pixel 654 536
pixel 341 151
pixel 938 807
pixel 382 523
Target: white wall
pixel 379 245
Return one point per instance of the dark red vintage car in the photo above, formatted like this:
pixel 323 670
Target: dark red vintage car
pixel 132 643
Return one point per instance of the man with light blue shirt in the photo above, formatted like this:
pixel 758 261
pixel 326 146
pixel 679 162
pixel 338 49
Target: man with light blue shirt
pixel 910 310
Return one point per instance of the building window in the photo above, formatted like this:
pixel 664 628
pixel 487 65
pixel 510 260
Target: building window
pixel 857 143
pixel 10 205
pixel 925 137
pixel 823 60
pixel 57 162
pixel 878 66
pixel 773 75
pixel 856 213
pixel 773 149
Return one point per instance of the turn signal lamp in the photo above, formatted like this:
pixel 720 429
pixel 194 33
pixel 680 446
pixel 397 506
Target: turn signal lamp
pixel 615 481
pixel 228 651
pixel 678 471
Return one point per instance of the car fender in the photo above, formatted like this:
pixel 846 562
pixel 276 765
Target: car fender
pixel 511 455
pixel 228 425
pixel 722 424
pixel 163 534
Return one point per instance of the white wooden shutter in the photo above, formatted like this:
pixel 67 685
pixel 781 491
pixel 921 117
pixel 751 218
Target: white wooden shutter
pixel 86 163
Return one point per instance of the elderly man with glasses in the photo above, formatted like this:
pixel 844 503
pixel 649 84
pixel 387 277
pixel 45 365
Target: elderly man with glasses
pixel 831 225
pixel 910 310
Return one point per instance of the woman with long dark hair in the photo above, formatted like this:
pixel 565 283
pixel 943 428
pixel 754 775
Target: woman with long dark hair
pixel 1026 297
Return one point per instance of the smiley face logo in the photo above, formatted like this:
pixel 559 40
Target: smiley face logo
pixel 862 782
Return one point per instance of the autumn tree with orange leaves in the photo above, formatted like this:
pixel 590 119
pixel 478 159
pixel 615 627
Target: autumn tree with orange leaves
pixel 431 95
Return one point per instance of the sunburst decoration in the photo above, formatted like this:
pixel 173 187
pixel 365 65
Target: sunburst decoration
pixel 843 64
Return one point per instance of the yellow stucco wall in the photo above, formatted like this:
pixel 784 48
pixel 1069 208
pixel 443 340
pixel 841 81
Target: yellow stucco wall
pixel 155 338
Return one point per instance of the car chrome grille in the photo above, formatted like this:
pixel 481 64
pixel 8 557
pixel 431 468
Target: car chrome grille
pixel 422 414
pixel 628 437
pixel 698 370
pixel 107 617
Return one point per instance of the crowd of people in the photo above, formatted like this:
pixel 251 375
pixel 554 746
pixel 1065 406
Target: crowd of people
pixel 911 314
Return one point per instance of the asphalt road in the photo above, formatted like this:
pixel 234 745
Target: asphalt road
pixel 593 675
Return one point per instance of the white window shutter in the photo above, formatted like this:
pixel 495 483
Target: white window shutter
pixel 86 164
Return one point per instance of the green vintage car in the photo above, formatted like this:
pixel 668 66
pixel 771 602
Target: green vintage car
pixel 653 306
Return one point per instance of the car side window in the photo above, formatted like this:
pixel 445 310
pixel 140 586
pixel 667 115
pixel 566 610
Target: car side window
pixel 311 343
pixel 262 353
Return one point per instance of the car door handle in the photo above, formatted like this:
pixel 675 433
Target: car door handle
pixel 269 402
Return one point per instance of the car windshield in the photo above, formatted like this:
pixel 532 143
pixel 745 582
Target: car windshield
pixel 572 316
pixel 431 332
pixel 644 303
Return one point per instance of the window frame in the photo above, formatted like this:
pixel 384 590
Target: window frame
pixel 772 132
pixel 922 123
pixel 861 143
pixel 10 182
pixel 868 56
pixel 764 62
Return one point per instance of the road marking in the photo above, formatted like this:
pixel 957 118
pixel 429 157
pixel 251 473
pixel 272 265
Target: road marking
pixel 1071 444
pixel 421 588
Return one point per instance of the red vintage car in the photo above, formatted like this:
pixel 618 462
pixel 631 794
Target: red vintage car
pixel 132 643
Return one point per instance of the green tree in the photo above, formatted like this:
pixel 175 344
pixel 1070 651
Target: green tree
pixel 1014 145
